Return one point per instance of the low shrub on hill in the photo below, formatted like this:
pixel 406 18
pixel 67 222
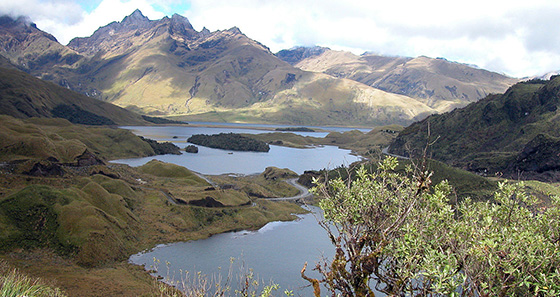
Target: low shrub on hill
pixel 400 234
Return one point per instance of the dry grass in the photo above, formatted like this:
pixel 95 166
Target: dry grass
pixel 13 283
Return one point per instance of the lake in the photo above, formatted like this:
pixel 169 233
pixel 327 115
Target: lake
pixel 215 161
pixel 276 252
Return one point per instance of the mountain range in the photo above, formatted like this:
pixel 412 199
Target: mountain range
pixel 167 68
pixel 438 83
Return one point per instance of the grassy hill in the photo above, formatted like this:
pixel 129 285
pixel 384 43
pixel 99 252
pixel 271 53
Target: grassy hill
pixel 515 133
pixel 76 221
pixel 24 96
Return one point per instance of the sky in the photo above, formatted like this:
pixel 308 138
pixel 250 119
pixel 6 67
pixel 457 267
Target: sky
pixel 513 37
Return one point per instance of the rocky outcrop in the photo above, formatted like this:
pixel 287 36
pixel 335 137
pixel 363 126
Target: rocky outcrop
pixel 298 54
pixel 540 158
pixel 206 202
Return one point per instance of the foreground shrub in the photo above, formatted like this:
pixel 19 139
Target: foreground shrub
pixel 396 234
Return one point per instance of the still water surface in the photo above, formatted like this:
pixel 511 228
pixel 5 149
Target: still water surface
pixel 277 251
pixel 215 161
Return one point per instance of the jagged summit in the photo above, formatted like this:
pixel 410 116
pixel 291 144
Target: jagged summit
pixel 129 32
pixel 179 19
pixel 299 53
pixel 8 21
pixel 135 19
pixel 21 25
pixel 179 24
pixel 166 67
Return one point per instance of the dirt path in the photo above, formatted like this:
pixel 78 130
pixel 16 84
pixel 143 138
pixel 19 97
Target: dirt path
pixel 303 192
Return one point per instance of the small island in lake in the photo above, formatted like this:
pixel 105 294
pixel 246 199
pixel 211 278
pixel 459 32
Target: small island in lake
pixel 295 129
pixel 230 141
pixel 162 148
pixel 193 149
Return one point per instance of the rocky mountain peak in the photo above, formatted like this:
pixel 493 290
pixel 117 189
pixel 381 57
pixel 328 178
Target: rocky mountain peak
pixel 179 24
pixel 15 30
pixel 297 54
pixel 135 19
pixel 235 30
pixel 181 20
pixel 105 37
pixel 21 23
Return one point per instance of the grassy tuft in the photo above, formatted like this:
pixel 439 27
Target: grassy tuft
pixel 16 284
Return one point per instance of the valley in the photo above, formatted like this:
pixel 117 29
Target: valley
pixel 149 132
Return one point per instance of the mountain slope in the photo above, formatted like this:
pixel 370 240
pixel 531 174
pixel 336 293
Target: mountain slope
pixel 438 83
pixel 23 96
pixel 165 67
pixel 516 133
pixel 33 50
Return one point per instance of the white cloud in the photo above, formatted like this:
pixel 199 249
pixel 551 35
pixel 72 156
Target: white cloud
pixel 517 37
pixel 108 11
pixel 505 36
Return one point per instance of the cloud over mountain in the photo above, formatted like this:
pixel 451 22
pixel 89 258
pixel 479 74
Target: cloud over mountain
pixel 518 38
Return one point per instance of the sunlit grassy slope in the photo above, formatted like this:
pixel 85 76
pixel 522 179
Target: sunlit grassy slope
pixel 438 83
pixel 23 96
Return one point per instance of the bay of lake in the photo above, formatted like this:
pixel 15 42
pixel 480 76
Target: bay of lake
pixel 276 252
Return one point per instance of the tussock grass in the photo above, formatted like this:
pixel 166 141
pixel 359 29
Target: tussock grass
pixel 44 138
pixel 16 284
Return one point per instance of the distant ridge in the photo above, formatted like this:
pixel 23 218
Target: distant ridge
pixel 298 54
pixel 438 83
pixel 167 68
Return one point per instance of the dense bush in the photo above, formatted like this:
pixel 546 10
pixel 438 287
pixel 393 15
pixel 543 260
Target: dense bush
pixel 230 141
pixel 295 129
pixel 162 148
pixel 158 120
pixel 396 234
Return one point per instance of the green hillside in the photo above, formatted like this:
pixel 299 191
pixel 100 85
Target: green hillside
pixel 515 133
pixel 68 215
pixel 24 96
